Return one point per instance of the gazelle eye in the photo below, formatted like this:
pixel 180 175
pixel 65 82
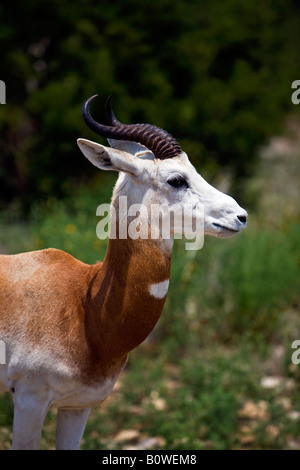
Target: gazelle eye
pixel 177 182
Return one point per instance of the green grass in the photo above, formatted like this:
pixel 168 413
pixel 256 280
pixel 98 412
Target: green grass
pixel 201 380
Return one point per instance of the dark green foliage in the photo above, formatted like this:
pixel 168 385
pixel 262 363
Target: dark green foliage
pixel 216 74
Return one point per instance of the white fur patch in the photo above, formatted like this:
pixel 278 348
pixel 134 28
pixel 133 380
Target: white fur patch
pixel 159 290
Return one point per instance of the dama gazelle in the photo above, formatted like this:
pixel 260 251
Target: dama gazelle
pixel 68 327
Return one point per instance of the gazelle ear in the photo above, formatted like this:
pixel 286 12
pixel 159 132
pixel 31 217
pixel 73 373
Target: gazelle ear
pixel 108 158
pixel 127 146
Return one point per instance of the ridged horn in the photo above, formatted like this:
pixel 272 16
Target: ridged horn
pixel 160 142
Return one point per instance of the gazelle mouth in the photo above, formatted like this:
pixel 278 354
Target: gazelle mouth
pixel 222 227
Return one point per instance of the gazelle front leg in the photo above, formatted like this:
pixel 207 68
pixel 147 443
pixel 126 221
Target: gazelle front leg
pixel 70 428
pixel 29 415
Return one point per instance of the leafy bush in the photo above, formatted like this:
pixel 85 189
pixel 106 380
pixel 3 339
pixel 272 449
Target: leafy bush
pixel 218 76
pixel 233 288
pixel 260 279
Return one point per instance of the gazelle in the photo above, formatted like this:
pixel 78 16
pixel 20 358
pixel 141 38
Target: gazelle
pixel 68 327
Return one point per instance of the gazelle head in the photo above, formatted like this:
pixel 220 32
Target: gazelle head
pixel 155 171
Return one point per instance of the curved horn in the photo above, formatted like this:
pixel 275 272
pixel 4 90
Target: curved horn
pixel 160 142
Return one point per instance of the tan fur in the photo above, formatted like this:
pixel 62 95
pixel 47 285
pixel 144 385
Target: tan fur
pixel 90 316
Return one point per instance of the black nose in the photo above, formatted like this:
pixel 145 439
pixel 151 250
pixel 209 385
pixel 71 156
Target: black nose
pixel 242 218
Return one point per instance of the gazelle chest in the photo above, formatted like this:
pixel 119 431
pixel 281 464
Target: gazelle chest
pixel 85 395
